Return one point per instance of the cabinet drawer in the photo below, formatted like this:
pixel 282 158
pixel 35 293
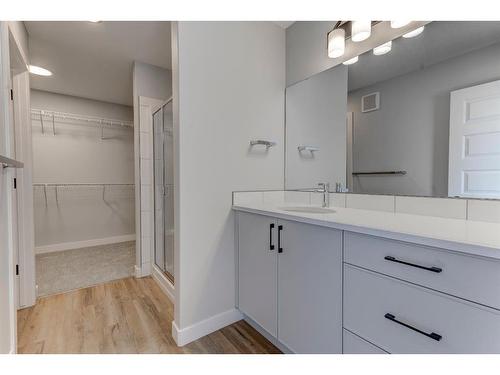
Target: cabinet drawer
pixel 420 320
pixel 356 345
pixel 473 278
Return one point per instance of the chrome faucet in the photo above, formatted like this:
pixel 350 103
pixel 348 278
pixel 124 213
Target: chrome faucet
pixel 324 187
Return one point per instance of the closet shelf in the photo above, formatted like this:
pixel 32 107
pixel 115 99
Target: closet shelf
pixel 74 119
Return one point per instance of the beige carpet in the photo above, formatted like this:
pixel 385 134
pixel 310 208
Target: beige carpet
pixel 62 271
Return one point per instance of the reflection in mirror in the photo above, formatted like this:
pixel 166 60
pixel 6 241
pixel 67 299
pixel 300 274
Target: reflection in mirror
pixel 422 119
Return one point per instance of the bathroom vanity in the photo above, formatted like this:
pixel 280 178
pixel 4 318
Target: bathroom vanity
pixel 367 281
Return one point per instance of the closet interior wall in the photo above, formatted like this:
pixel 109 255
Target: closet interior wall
pixel 83 175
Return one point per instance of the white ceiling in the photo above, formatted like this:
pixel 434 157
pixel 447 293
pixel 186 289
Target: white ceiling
pixel 94 60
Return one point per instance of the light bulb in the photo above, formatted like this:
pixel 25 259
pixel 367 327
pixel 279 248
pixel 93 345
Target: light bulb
pixel 382 49
pixel 360 30
pixel 336 43
pixel 39 71
pixel 399 24
pixel 414 33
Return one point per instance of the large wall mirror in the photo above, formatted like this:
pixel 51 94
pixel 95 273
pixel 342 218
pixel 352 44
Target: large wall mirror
pixel 421 119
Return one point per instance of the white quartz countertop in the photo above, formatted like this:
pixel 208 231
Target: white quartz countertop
pixel 465 236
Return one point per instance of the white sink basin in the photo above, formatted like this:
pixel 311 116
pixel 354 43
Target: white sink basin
pixel 309 209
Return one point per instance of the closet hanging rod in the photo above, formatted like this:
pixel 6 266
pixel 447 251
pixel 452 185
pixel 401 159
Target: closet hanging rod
pixel 81 184
pixel 40 114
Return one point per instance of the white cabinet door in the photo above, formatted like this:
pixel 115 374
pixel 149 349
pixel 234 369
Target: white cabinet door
pixel 474 153
pixel 310 288
pixel 257 269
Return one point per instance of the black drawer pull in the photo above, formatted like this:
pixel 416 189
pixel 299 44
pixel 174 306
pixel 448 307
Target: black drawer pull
pixel 271 245
pixel 280 228
pixel 431 335
pixel 432 269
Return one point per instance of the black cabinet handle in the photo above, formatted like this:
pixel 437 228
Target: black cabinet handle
pixel 431 335
pixel 271 245
pixel 432 269
pixel 280 228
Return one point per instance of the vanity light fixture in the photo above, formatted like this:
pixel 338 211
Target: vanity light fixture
pixel 414 33
pixel 351 61
pixel 382 49
pixel 360 30
pixel 399 24
pixel 39 71
pixel 336 43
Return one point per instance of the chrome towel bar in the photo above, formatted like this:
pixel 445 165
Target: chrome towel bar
pixel 262 142
pixel 308 148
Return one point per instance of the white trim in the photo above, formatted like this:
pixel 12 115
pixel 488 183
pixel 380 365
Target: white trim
pixel 137 272
pixel 164 283
pixel 86 243
pixel 26 259
pixel 8 213
pixel 194 332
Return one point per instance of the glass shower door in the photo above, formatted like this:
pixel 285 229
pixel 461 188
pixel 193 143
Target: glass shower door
pixel 164 189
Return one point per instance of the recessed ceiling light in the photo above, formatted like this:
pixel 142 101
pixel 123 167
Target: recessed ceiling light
pixel 39 71
pixel 351 61
pixel 414 33
pixel 399 24
pixel 361 30
pixel 383 49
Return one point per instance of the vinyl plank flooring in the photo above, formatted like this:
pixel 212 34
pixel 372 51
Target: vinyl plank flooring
pixel 123 316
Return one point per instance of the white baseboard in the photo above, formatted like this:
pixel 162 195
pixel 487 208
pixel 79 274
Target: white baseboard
pixel 137 272
pixel 165 284
pixel 194 332
pixel 79 244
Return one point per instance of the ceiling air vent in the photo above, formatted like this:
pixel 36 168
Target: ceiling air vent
pixel 370 102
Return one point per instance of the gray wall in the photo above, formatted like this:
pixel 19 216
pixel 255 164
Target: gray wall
pixel 152 81
pixel 231 85
pixel 306 52
pixel 410 131
pixel 315 116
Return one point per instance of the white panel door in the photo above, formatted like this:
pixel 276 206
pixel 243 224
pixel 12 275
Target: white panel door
pixel 257 270
pixel 310 288
pixel 474 152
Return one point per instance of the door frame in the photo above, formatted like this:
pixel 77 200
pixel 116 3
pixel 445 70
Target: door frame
pixel 168 275
pixel 144 128
pixel 15 120
pixel 21 117
pixel 350 143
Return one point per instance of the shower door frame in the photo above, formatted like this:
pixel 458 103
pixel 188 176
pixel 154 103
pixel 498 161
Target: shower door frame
pixel 169 276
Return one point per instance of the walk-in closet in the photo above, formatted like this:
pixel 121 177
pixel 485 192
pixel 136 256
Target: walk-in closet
pixel 83 184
